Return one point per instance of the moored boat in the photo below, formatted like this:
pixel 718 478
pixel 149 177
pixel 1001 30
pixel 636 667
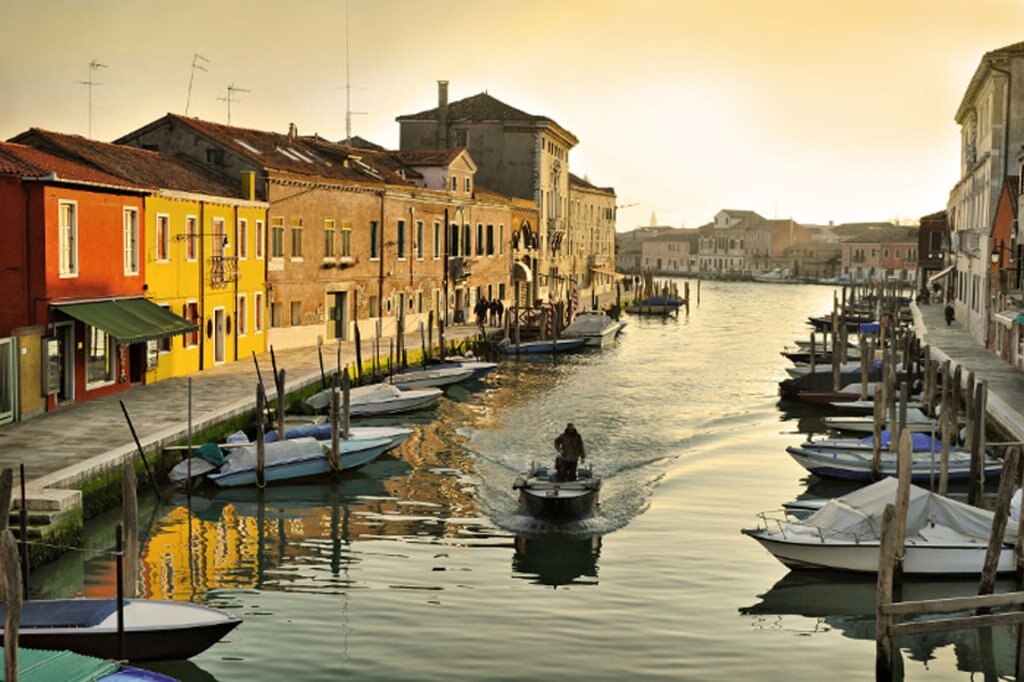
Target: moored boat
pixel 943 537
pixel 378 399
pixel 551 346
pixel 542 495
pixel 297 459
pixel 154 629
pixel 595 327
pixel 430 377
pixel 654 305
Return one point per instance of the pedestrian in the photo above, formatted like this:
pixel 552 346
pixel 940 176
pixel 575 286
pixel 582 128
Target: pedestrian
pixel 501 312
pixel 950 313
pixel 569 445
pixel 480 309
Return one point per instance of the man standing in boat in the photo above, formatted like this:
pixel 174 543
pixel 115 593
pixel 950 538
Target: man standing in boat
pixel 569 445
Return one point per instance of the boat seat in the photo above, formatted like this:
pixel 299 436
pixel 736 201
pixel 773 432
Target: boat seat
pixel 64 613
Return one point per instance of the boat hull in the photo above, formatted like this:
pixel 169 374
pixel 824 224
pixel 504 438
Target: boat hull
pixel 302 468
pixel 555 505
pixel 856 466
pixel 410 401
pixel 863 557
pixel 557 346
pixel 430 378
pixel 154 630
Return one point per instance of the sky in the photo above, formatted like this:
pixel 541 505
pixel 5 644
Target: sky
pixel 815 110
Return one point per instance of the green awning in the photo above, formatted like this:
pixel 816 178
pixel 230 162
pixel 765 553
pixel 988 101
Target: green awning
pixel 129 320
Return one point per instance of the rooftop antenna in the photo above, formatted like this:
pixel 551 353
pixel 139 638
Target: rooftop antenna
pixel 230 98
pixel 196 58
pixel 348 87
pixel 94 65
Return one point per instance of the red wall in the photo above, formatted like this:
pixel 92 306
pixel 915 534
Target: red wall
pixel 14 303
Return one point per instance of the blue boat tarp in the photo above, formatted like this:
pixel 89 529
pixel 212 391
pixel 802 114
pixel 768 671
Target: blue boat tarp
pixel 870 328
pixel 922 442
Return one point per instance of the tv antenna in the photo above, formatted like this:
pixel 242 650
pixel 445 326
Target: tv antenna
pixel 348 87
pixel 196 58
pixel 94 65
pixel 231 98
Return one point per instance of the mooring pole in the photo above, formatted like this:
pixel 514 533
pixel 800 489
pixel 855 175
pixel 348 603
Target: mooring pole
pixel 119 560
pixel 261 450
pixel 10 582
pixel 142 455
pixel 23 517
pixel 130 509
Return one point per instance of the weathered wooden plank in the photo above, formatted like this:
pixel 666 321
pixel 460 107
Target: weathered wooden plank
pixel 952 604
pixel 883 621
pixel 962 623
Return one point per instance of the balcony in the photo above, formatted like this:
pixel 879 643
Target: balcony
pixel 223 271
pixel 460 268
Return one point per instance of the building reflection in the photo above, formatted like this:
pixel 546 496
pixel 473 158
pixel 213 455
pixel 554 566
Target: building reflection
pixel 557 559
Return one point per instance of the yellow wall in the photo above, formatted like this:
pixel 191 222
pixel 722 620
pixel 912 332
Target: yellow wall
pixel 177 281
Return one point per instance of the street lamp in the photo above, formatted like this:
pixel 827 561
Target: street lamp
pixel 997 252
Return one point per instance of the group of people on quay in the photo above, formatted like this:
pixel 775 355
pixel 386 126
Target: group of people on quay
pixel 492 312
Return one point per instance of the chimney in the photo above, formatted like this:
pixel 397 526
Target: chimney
pixel 442 114
pixel 293 131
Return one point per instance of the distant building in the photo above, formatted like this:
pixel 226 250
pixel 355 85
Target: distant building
pixel 592 235
pixel 629 246
pixel 1005 302
pixel 882 254
pixel 671 253
pixel 743 243
pixel 932 247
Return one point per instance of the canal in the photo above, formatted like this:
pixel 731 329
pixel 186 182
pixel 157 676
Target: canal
pixel 419 567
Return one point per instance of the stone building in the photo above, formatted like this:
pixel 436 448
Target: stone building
pixel 991 120
pixel 518 154
pixel 354 235
pixel 629 246
pixel 672 253
pixel 591 244
pixel 882 254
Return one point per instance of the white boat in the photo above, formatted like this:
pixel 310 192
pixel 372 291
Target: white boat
pixel 551 346
pixel 775 275
pixel 595 327
pixel 943 537
pixel 430 377
pixel 477 367
pixel 866 406
pixel 378 399
pixel 296 459
pixel 917 422
pixel 803 369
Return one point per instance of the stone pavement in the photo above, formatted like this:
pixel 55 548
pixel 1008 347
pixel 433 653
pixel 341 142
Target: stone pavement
pixel 70 445
pixel 953 342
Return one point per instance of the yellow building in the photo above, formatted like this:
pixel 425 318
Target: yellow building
pixel 205 262
pixel 204 245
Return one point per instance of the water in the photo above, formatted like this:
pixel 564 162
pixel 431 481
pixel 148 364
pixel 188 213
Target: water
pixel 419 566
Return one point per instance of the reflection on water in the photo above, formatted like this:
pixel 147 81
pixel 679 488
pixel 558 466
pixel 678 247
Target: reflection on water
pixel 846 604
pixel 557 559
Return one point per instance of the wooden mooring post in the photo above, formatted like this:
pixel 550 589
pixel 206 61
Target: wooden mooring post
pixel 346 403
pixel 130 509
pixel 280 404
pixel 976 433
pixel 261 447
pixel 1001 514
pixel 359 349
pixel 10 592
pixel 334 456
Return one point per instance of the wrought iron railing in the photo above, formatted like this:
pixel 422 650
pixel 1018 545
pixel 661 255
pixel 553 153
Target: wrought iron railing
pixel 223 271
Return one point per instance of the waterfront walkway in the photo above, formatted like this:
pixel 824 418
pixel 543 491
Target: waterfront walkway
pixel 953 342
pixel 62 448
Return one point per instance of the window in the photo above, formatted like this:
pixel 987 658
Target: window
pixel 479 239
pixel 401 240
pixel 501 240
pixel 242 239
pixel 164 344
pixel 469 184
pixel 501 291
pixel 490 240
pixel 374 307
pixel 277 314
pixel 453 240
pixel 296 313
pixel 466 246
pixel 296 238
pixel 217 240
pixel 455 183
pixel 191 229
pixel 419 240
pixel 374 240
pixel 190 312
pixel 328 239
pixel 437 240
pixel 99 358
pixel 68 216
pixel 277 237
pixel 163 235
pixel 346 239
pixel 259 237
pixel 257 312
pixel 215 156
pixel 240 314
pixel 131 241
pixel 461 138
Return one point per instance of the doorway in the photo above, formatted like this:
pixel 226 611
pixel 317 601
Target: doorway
pixel 219 332
pixel 8 380
pixel 64 332
pixel 337 314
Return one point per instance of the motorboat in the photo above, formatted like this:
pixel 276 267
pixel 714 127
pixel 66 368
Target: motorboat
pixel 797 371
pixel 322 432
pixel 379 399
pixel 917 422
pixel 551 346
pixel 943 537
pixel 541 494
pixel 774 275
pixel 42 664
pixel 434 376
pixel 654 305
pixel 478 367
pixel 154 629
pixel 867 406
pixel 595 327
pixel 852 459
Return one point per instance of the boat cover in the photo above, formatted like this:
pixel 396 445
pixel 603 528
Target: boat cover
pixel 922 442
pixel 859 515
pixel 588 324
pixel 35 665
pixel 293 448
pixel 373 393
pixel 63 613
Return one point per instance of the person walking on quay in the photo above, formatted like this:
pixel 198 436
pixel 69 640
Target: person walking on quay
pixel 950 313
pixel 481 313
pixel 500 310
pixel 569 445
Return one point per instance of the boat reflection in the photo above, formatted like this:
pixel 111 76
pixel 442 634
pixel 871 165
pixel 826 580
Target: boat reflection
pixel 557 559
pixel 846 603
